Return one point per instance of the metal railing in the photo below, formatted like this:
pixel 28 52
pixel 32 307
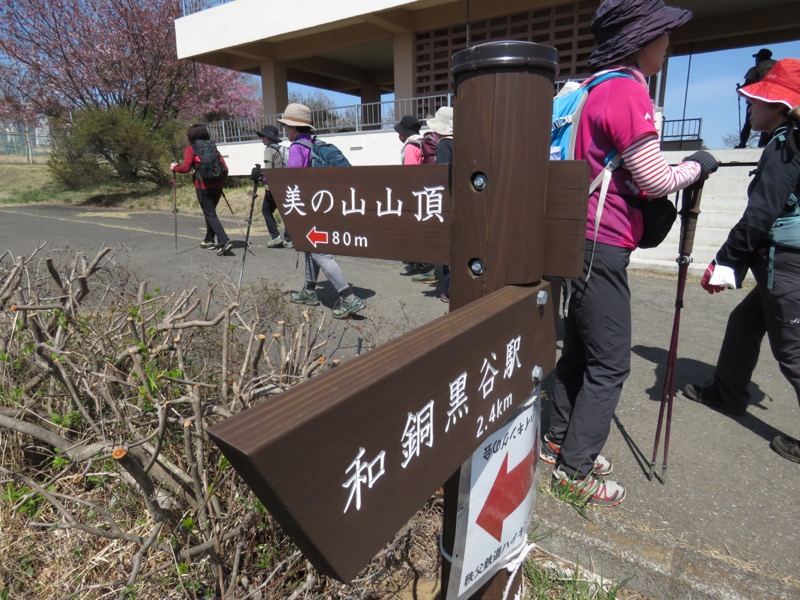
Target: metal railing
pixel 377 116
pixel 373 116
pixel 674 130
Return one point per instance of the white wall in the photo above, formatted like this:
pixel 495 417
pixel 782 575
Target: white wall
pixel 361 149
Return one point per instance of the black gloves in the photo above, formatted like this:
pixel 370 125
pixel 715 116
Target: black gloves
pixel 708 163
pixel 255 174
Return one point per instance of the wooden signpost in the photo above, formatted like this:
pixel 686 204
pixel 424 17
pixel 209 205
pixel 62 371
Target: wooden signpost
pixel 343 460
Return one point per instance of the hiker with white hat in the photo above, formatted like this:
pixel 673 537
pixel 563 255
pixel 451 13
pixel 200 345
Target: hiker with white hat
pixel 441 124
pixel 297 124
pixel 770 253
pixel 618 119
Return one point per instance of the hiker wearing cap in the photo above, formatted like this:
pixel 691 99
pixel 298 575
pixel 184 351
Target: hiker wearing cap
pixel 208 193
pixel 273 159
pixel 755 74
pixel 618 118
pixel 773 306
pixel 298 126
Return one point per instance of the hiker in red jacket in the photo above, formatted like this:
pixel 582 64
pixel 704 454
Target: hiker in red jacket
pixel 208 192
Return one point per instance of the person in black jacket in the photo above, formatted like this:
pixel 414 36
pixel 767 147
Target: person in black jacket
pixel 773 306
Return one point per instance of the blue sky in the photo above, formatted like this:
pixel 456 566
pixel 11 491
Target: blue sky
pixel 712 88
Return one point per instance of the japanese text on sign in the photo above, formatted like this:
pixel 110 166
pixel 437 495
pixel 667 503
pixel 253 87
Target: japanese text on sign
pixel 418 433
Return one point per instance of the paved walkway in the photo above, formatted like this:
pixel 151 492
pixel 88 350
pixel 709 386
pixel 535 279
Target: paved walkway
pixel 724 523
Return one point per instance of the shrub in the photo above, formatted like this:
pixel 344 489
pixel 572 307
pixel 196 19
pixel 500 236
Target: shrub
pixel 101 145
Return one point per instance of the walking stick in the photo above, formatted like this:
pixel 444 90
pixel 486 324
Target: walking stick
pixel 690 209
pixel 234 217
pixel 255 175
pixel 175 207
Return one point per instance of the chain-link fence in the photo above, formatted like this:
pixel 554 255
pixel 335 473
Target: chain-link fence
pixel 24 147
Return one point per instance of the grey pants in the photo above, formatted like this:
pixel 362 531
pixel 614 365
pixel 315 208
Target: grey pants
pixel 774 312
pixel 595 360
pixel 325 262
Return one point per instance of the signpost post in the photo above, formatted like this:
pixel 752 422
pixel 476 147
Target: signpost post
pixel 343 460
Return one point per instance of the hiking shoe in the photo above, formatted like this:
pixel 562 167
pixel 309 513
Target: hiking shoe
pixel 708 395
pixel 426 277
pixel 304 296
pixel 787 447
pixel 205 245
pixel 591 489
pixel 550 450
pixel 346 307
pixel 411 269
pixel 275 242
pixel 225 248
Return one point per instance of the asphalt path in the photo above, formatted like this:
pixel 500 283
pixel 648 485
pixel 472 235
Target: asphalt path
pixel 724 523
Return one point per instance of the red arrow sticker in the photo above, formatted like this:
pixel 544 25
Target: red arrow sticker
pixel 317 237
pixel 508 491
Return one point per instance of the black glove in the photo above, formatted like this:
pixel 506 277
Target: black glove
pixel 708 163
pixel 255 174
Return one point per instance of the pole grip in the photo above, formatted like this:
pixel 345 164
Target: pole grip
pixel 690 209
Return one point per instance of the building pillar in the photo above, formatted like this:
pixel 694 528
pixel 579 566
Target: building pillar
pixel 370 105
pixel 404 65
pixel 274 87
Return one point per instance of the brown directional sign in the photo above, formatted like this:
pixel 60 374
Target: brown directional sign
pixel 345 459
pixel 390 212
pixel 404 213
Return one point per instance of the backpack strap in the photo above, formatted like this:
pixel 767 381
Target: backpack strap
pixel 603 179
pixel 793 209
pixel 310 146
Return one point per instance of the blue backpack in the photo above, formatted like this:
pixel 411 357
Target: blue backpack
pixel 784 233
pixel 567 110
pixel 324 154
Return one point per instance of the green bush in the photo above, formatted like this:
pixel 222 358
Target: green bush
pixel 102 145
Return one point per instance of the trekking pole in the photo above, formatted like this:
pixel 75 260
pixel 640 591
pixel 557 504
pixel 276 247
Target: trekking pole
pixel 234 217
pixel 255 175
pixel 175 207
pixel 690 209
pixel 739 103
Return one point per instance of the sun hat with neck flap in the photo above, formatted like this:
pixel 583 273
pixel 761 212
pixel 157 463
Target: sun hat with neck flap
pixel 623 27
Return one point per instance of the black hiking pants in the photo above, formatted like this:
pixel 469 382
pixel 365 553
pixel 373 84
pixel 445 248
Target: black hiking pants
pixel 595 360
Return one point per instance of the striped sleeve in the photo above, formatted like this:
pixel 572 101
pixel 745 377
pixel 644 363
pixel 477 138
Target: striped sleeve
pixel 651 173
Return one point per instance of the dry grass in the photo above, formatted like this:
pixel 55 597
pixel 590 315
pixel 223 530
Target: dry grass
pixel 110 485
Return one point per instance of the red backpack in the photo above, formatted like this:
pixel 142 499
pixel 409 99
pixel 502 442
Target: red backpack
pixel 428 143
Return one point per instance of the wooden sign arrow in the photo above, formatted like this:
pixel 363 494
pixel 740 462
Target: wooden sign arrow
pixel 403 213
pixel 344 460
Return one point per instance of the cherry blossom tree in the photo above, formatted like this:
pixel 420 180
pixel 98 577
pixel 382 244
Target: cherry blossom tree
pixel 58 56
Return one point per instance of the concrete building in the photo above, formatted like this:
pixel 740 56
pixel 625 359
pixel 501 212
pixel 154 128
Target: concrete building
pixel 404 47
